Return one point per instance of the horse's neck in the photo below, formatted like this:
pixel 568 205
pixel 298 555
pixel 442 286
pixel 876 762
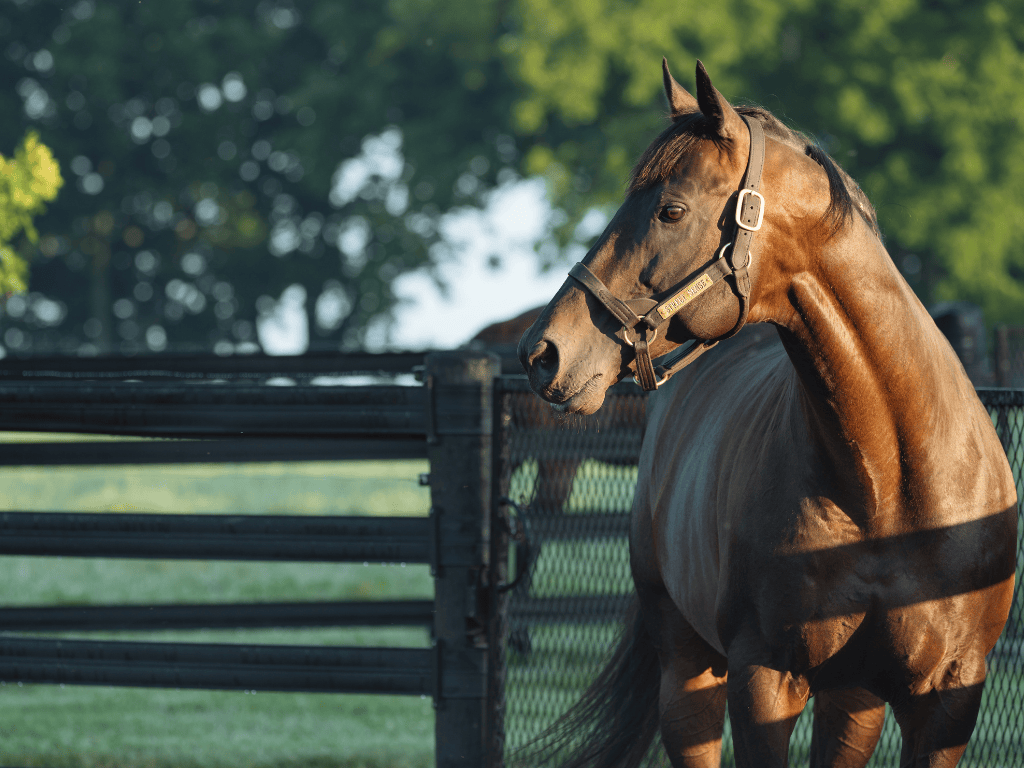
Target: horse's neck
pixel 886 398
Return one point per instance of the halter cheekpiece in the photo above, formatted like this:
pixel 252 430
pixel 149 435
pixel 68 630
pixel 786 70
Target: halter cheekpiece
pixel 733 259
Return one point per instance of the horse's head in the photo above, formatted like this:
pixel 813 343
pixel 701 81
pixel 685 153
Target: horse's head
pixel 655 275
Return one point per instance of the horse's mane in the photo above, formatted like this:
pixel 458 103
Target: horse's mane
pixel 659 161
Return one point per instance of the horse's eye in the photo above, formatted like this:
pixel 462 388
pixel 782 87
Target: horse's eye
pixel 672 212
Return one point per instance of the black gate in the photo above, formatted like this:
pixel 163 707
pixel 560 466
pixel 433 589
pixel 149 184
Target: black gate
pixel 575 483
pixel 217 410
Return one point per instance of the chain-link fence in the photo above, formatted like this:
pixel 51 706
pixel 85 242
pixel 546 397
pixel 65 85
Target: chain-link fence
pixel 575 482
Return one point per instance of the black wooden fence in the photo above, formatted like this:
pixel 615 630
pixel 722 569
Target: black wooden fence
pixel 218 410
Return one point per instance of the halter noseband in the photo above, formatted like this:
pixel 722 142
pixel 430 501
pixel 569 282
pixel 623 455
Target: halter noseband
pixel 732 259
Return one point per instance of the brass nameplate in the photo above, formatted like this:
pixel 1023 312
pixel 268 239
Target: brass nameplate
pixel 685 296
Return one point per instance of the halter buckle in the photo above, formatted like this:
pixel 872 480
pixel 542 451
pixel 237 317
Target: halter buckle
pixel 760 209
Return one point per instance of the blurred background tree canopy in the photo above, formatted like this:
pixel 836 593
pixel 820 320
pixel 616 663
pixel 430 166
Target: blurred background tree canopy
pixel 219 152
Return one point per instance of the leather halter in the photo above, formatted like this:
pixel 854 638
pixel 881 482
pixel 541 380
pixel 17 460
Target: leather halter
pixel 643 317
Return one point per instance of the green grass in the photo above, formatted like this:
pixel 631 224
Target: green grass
pixel 81 581
pixel 309 488
pixel 86 727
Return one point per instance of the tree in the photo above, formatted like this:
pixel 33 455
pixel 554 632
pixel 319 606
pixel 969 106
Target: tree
pixel 206 142
pixel 919 99
pixel 27 181
pixel 222 151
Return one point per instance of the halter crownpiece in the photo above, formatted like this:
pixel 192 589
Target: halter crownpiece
pixel 640 317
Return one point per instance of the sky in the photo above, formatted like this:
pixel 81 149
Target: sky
pixel 479 291
pixel 486 270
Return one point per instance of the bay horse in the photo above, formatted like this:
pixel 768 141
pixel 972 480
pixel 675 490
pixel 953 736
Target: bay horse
pixel 826 514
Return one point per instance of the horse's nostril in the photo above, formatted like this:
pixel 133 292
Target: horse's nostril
pixel 544 356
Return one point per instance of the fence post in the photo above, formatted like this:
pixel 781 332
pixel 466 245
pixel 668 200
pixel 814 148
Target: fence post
pixel 1003 362
pixel 460 424
pixel 499 579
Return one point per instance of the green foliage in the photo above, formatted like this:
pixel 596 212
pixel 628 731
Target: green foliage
pixel 218 129
pixel 920 100
pixel 592 89
pixel 320 143
pixel 28 180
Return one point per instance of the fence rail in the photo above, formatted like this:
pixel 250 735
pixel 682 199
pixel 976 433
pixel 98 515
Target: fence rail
pixel 222 666
pixel 225 537
pixel 91 618
pixel 199 410
pixel 193 367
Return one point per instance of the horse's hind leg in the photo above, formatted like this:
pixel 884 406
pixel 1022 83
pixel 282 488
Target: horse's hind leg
pixel 847 726
pixel 693 687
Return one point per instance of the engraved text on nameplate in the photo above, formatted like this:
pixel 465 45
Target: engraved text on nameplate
pixel 685 296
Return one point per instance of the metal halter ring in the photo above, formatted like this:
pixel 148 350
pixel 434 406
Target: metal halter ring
pixel 721 255
pixel 628 343
pixel 657 383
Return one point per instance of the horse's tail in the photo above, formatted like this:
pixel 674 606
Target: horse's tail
pixel 615 721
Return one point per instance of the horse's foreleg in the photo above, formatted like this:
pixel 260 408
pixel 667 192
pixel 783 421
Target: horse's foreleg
pixel 847 726
pixel 692 695
pixel 764 704
pixel 692 716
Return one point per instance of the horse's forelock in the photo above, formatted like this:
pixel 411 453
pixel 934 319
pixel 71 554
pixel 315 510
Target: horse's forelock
pixel 659 160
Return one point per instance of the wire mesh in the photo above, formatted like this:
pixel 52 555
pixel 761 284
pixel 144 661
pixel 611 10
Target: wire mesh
pixel 574 480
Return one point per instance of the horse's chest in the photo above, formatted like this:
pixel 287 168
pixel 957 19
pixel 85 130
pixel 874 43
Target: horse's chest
pixel 915 598
pixel 798 578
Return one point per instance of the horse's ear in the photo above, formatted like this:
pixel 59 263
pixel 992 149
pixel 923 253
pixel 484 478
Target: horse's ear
pixel 725 121
pixel 680 102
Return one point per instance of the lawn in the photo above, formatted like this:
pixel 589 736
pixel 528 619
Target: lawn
pixel 80 727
